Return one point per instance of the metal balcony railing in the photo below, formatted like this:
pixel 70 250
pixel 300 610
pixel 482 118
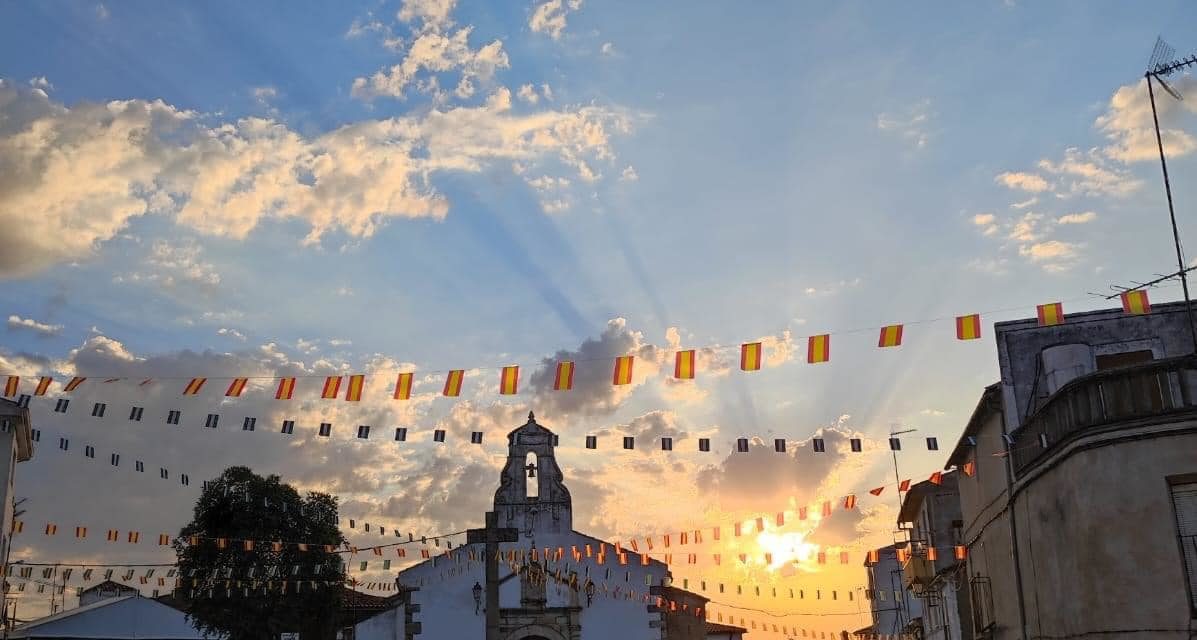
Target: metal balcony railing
pixel 1155 389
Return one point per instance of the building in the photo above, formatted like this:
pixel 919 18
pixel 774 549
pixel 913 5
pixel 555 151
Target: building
pixel 718 631
pixel 931 570
pixel 1079 495
pixel 121 618
pixel 16 445
pixel 106 589
pixel 892 606
pixel 546 591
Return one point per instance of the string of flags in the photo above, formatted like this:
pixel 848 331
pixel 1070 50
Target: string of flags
pixel 818 350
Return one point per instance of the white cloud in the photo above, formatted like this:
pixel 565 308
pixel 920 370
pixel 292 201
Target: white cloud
pixel 607 49
pixel 910 124
pixel 1025 229
pixel 172 265
pixel 629 174
pixel 433 52
pixel 986 222
pixel 550 17
pixel 1029 202
pixel 16 322
pixel 1023 181
pixel 434 14
pixel 1089 174
pixel 1077 218
pixel 102 11
pixel 72 178
pixel 1052 255
pixel 340 342
pixel 231 333
pixel 1127 122
pixel 934 413
pixel 528 94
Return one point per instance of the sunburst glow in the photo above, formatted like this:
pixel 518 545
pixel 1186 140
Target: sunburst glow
pixel 787 548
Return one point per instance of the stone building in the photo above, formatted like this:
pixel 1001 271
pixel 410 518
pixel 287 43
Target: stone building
pixel 931 572
pixel 543 596
pixel 1079 501
pixel 891 605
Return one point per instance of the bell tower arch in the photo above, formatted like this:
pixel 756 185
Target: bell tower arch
pixel 546 506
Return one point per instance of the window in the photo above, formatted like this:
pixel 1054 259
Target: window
pixel 1125 359
pixel 1184 501
pixel 981 591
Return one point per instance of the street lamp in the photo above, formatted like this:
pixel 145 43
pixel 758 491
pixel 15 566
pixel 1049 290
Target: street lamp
pixel 477 597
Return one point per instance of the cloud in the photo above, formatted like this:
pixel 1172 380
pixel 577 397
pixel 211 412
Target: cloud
pixel 910 124
pixel 231 333
pixel 629 174
pixel 528 94
pixel 433 14
pixel 175 265
pixel 1127 122
pixel 986 222
pixel 1026 228
pixel 607 49
pixel 1031 182
pixel 72 178
pixel 1077 218
pixel 1053 255
pixel 1090 174
pixel 550 17
pixel 102 12
pixel 433 52
pixel 44 329
pixel 1029 202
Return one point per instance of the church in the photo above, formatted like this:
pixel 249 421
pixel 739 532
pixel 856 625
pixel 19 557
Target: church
pixel 553 583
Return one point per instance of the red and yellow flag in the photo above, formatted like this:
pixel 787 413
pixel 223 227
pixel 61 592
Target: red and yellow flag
pixel 403 386
pixel 936 478
pixel 1050 314
pixel 453 383
pixel 564 380
pixel 750 356
pixel 43 385
pixel 818 348
pixel 932 554
pixel 73 384
pixel 332 386
pixel 968 327
pixel 904 485
pixel 1135 302
pixel 509 380
pixel 11 386
pixel 354 392
pixel 961 552
pixel 683 365
pixel 622 374
pixel 236 387
pixel 193 387
pixel 877 491
pixel 163 539
pixel 969 468
pixel 891 336
pixel 850 501
pixel 286 387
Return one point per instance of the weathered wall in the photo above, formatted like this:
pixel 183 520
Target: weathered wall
pixel 1097 534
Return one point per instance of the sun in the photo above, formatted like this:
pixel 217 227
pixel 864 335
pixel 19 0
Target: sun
pixel 787 548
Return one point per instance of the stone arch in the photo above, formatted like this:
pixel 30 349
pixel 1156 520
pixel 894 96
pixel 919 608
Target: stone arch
pixel 535 632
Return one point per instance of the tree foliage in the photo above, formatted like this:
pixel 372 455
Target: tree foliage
pixel 241 505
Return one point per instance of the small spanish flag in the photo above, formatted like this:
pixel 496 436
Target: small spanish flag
pixel 10 387
pixel 826 508
pixel 509 380
pixel 18 526
pixel 968 327
pixel 936 478
pixel 622 374
pixel 51 529
pixel 113 535
pixel 236 387
pixel 891 336
pixel 1135 302
pixel 193 387
pixel 850 501
pixel 42 386
pixel 750 356
pixel 932 554
pixel 877 491
pixel 354 392
pixel 163 539
pixel 80 532
pixel 564 380
pixel 73 384
pixel 134 537
pixel 961 552
pixel 683 365
pixel 453 383
pixel 969 468
pixel 1050 314
pixel 403 386
pixel 818 348
pixel 248 545
pixel 286 387
pixel 904 485
pixel 332 386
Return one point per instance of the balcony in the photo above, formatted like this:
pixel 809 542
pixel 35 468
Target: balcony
pixel 917 573
pixel 1160 389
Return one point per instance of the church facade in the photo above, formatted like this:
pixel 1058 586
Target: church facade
pixel 555 583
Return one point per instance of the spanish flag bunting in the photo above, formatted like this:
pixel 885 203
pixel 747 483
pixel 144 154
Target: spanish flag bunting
pixel 932 554
pixel 18 526
pixel 891 336
pixel 80 532
pixel 968 327
pixel 43 385
pixel 904 485
pixel 193 387
pixel 873 556
pixel 73 384
pixel 453 383
pixel 286 387
pixel 802 513
pixel 113 535
pixel 961 552
pixel 818 348
pixel 236 387
pixel 145 382
pixel 826 508
pixel 564 380
pixel 622 373
pixel 902 554
pixel 877 491
pixel 134 536
pixel 780 519
pixel 51 529
pixel 163 539
pixel 509 380
pixel 332 386
pixel 10 387
pixel 354 392
pixel 248 545
pixel 969 468
pixel 683 365
pixel 750 356
pixel 1050 314
pixel 1135 302
pixel 936 478
pixel 403 386
pixel 850 501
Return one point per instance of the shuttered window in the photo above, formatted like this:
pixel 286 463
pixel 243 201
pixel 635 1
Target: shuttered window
pixel 1184 499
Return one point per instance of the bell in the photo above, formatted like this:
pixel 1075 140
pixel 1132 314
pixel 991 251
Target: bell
pixel 531 471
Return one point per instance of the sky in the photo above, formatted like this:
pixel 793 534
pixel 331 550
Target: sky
pixel 313 189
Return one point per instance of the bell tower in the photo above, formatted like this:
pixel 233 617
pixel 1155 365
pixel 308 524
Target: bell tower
pixel 531 495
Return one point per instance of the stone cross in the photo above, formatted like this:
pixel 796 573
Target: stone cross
pixel 491 536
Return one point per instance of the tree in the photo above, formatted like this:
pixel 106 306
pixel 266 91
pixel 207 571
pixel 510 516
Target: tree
pixel 241 505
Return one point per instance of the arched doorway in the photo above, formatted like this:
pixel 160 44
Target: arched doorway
pixel 535 632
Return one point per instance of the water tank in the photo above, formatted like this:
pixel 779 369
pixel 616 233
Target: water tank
pixel 1065 362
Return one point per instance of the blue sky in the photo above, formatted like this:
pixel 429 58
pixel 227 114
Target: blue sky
pixel 345 187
